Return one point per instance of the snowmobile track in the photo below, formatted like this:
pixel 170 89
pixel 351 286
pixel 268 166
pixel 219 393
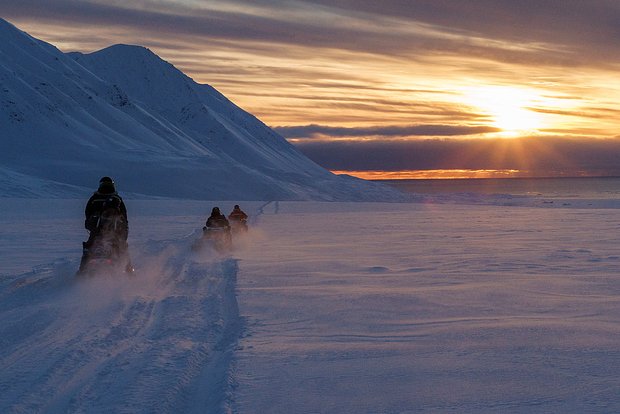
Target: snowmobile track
pixel 161 341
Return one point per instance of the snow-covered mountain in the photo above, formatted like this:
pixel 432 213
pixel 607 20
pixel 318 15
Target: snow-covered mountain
pixel 67 119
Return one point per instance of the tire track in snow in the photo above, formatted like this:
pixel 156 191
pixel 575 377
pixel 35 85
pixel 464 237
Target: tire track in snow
pixel 162 341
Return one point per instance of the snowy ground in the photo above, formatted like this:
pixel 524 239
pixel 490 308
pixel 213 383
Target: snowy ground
pixel 323 308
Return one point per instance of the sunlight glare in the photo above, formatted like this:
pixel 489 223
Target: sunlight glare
pixel 507 107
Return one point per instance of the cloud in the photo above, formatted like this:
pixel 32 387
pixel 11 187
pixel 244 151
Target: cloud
pixel 277 24
pixel 552 32
pixel 583 29
pixel 537 155
pixel 348 62
pixel 311 131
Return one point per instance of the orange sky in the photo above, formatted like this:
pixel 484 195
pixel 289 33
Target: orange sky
pixel 331 74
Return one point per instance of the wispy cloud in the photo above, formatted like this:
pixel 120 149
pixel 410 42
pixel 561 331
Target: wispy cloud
pixel 504 30
pixel 312 131
pixel 583 29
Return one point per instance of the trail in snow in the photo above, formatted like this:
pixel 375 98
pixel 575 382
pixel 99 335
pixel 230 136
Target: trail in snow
pixel 269 207
pixel 161 341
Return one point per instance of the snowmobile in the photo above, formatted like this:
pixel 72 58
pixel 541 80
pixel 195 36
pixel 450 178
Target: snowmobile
pixel 106 250
pixel 218 237
pixel 239 226
pixel 105 255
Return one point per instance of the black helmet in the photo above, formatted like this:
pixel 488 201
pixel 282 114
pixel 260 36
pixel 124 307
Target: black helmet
pixel 106 185
pixel 215 211
pixel 236 207
pixel 106 179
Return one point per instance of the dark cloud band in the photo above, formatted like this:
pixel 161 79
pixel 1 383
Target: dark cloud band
pixel 536 155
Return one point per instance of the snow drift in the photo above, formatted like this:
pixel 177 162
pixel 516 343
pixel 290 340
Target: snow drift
pixel 67 119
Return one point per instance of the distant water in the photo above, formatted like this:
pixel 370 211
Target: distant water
pixel 580 188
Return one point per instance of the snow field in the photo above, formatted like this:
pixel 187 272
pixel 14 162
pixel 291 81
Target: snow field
pixel 398 308
pixel 322 308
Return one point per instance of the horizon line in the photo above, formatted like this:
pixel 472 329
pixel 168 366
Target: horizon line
pixel 459 174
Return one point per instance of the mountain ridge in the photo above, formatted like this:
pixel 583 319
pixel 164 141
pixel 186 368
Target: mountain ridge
pixel 125 112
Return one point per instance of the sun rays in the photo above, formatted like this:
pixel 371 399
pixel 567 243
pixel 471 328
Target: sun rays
pixel 507 108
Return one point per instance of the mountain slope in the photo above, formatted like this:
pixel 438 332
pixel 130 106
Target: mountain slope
pixel 125 112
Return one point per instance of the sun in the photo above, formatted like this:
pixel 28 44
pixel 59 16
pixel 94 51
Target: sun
pixel 507 107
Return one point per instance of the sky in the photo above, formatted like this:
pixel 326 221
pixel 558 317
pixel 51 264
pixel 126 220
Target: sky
pixel 389 89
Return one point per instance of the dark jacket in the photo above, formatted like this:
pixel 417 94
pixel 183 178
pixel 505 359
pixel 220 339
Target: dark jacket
pixel 237 215
pixel 95 206
pixel 217 221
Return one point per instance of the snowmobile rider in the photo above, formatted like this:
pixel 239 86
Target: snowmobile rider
pixel 237 214
pixel 217 219
pixel 218 230
pixel 105 194
pixel 238 220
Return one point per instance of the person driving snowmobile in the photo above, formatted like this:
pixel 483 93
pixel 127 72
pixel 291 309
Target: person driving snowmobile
pixel 238 218
pixel 217 229
pixel 237 214
pixel 106 216
pixel 217 219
